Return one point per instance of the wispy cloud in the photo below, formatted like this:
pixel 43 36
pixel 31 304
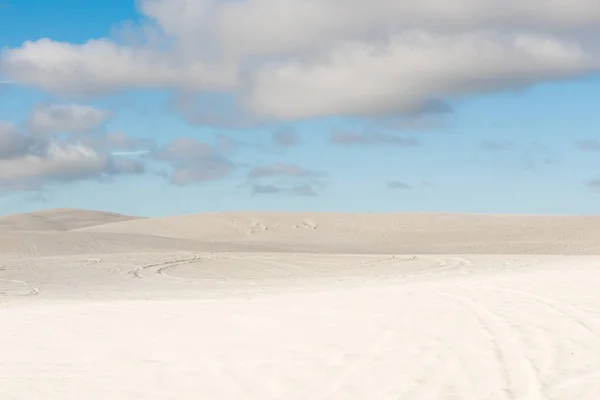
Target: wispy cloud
pixel 372 138
pixel 129 153
pixel 279 169
pixel 588 145
pixel 493 145
pixel 305 190
pixel 285 137
pixel 193 162
pixel 288 179
pixel 594 184
pixel 398 185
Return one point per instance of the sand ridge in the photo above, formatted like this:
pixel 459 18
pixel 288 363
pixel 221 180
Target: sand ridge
pixel 60 220
pixel 426 233
pixel 382 233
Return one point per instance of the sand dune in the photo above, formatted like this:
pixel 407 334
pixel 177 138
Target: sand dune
pixel 382 233
pixel 274 306
pixel 68 230
pixel 59 220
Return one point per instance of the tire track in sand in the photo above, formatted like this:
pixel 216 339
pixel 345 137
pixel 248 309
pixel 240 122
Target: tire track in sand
pixel 522 379
pixel 30 290
pixel 143 272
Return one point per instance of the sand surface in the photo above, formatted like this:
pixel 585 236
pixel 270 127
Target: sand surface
pixel 299 306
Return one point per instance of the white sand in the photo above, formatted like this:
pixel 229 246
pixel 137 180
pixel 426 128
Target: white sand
pixel 112 311
pixel 382 233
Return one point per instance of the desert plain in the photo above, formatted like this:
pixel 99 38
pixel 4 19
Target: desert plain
pixel 255 305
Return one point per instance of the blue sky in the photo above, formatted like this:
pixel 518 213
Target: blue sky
pixel 227 117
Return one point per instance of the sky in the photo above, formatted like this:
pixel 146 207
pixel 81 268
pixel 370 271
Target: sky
pixel 163 107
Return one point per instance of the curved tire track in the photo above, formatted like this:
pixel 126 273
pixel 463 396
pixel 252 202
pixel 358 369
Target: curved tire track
pixel 160 268
pixel 572 313
pixel 31 291
pixel 522 378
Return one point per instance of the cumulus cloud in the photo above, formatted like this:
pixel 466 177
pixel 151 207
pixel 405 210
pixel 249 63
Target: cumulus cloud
pixel 409 73
pixel 292 59
pixel 12 142
pixel 65 118
pixel 373 138
pixel 45 162
pixel 102 66
pixel 193 161
pixel 124 142
pixel 63 143
pixel 276 26
pixel 211 109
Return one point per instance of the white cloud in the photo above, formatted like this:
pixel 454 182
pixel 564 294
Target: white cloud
pixel 410 71
pixel 12 142
pixel 65 118
pixel 184 19
pixel 101 66
pixel 280 169
pixel 370 138
pixel 297 59
pixel 274 26
pixel 33 161
pixel 120 141
pixel 130 153
pixel 193 162
pixel 59 162
pixel 285 179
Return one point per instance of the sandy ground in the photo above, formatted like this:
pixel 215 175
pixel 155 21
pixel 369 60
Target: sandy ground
pixel 268 307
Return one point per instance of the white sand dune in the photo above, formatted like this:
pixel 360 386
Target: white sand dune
pixel 60 220
pixel 382 233
pixel 300 306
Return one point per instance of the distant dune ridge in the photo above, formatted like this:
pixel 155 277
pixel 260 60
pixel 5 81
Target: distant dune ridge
pixel 433 233
pixel 61 219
